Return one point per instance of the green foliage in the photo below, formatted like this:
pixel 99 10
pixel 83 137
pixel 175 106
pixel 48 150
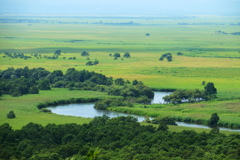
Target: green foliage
pixel 116 55
pixel 57 52
pixel 210 89
pixel 180 53
pixel 45 110
pixel 135 82
pixel 127 55
pixel 168 56
pixel 11 115
pixel 85 53
pixel 20 81
pixel 95 62
pixel 164 120
pixel 33 90
pixel 180 96
pixel 213 121
pixel 89 63
pixel 119 81
pixel 66 101
pixel 116 138
pixel 44 85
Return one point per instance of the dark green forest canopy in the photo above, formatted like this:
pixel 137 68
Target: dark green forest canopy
pixel 120 138
pixel 20 81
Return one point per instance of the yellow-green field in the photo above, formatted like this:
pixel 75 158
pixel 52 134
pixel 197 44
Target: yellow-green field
pixel 207 56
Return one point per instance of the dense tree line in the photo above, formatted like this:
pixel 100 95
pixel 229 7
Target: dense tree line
pixel 29 81
pixel 121 138
pixel 22 81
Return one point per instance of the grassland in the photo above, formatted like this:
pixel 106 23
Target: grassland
pixel 207 57
pixel 26 111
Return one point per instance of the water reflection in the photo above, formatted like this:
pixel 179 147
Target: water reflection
pixel 158 97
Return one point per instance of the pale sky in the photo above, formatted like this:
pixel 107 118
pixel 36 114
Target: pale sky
pixel 123 7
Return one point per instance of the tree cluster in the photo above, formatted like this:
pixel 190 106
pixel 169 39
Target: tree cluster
pixel 194 95
pixel 85 53
pixel 29 81
pixel 118 55
pixel 22 81
pixel 168 56
pixel 90 63
pixel 120 138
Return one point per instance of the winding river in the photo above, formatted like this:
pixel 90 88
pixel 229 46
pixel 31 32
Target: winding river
pixel 87 110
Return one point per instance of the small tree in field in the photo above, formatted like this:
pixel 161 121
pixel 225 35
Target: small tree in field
pixel 127 55
pixel 11 115
pixel 89 63
pixel 85 53
pixel 213 121
pixel 116 55
pixel 210 89
pixel 57 52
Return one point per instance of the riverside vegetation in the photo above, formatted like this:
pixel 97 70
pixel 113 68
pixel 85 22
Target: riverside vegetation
pixel 129 53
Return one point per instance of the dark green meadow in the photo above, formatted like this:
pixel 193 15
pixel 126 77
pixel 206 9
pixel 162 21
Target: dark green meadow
pixel 207 56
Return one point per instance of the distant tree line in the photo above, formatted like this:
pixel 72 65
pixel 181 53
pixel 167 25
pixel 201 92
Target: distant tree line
pixel 16 55
pixel 120 138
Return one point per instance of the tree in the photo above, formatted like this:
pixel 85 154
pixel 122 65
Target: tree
pixel 161 58
pixel 169 58
pixel 134 82
pixel 11 115
pixel 179 53
pixel 95 62
pixel 85 53
pixel 213 121
pixel 127 55
pixel 34 90
pixel 119 81
pixel 57 52
pixel 210 89
pixel 44 85
pixel 116 55
pixel 162 127
pixel 89 63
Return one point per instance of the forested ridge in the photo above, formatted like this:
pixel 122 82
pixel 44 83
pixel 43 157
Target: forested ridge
pixel 121 138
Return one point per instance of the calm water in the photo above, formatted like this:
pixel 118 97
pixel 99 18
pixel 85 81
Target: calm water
pixel 158 97
pixel 87 110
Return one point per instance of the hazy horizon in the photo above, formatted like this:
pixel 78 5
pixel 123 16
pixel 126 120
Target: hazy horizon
pixel 123 7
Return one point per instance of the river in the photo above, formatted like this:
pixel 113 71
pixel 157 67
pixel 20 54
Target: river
pixel 87 110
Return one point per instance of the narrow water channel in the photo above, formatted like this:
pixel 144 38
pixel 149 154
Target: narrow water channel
pixel 87 110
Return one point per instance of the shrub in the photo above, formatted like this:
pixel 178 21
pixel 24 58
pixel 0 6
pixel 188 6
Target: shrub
pixel 46 110
pixel 11 115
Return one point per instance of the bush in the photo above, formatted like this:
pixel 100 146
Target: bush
pixel 34 90
pixel 46 110
pixel 11 115
pixel 41 105
pixel 85 53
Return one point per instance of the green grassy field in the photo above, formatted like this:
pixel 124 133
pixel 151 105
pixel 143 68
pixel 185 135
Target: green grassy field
pixel 26 111
pixel 207 56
